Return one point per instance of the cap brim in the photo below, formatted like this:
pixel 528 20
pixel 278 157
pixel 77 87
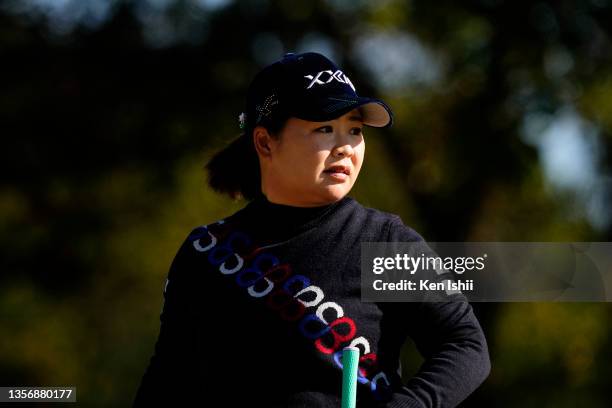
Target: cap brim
pixel 374 112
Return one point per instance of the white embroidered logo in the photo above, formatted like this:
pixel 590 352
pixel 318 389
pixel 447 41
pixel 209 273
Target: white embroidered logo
pixel 319 79
pixel 265 109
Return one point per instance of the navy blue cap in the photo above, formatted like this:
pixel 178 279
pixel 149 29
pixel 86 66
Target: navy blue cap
pixel 308 86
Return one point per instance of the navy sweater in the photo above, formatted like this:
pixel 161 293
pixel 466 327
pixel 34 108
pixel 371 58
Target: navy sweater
pixel 258 306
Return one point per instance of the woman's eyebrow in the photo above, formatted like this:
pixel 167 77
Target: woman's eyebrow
pixel 353 118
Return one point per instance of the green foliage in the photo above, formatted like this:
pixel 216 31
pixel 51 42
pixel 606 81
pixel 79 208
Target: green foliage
pixel 108 123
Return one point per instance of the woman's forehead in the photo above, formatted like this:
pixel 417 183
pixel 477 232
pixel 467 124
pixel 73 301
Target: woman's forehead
pixel 353 115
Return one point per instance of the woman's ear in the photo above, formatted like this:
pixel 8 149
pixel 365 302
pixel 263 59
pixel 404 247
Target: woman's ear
pixel 262 141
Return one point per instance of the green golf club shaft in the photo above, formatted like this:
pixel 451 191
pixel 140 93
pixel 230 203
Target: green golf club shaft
pixel 350 365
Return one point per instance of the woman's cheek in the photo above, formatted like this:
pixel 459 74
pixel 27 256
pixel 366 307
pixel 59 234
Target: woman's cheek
pixel 359 159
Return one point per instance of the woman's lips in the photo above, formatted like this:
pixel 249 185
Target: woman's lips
pixel 338 172
pixel 338 169
pixel 338 176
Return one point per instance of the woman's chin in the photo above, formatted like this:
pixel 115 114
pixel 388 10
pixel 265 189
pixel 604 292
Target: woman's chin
pixel 336 191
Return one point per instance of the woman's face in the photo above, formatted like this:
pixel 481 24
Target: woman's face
pixel 313 163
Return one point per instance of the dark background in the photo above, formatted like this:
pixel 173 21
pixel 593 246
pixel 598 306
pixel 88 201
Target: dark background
pixel 109 110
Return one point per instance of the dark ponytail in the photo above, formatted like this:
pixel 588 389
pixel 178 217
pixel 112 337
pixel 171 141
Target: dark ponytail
pixel 234 170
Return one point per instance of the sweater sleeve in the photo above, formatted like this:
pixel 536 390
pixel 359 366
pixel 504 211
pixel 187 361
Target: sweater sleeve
pixel 170 374
pixel 450 339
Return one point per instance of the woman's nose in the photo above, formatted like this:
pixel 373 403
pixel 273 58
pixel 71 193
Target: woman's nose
pixel 343 149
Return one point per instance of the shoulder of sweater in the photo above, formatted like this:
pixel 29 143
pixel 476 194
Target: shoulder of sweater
pixel 199 230
pixel 392 223
pixel 396 229
pixel 374 212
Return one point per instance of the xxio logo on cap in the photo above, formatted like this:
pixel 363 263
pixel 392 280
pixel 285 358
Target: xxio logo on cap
pixel 338 76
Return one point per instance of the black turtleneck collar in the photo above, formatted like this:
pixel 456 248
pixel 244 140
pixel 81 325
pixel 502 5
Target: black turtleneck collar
pixel 274 221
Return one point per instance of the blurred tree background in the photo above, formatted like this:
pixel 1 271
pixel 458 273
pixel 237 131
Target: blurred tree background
pixel 109 110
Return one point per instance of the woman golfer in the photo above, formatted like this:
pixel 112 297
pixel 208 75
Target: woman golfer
pixel 258 306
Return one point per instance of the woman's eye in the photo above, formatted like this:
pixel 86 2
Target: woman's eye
pixel 329 129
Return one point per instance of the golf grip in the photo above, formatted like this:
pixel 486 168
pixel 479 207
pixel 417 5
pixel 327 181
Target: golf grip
pixel 350 365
